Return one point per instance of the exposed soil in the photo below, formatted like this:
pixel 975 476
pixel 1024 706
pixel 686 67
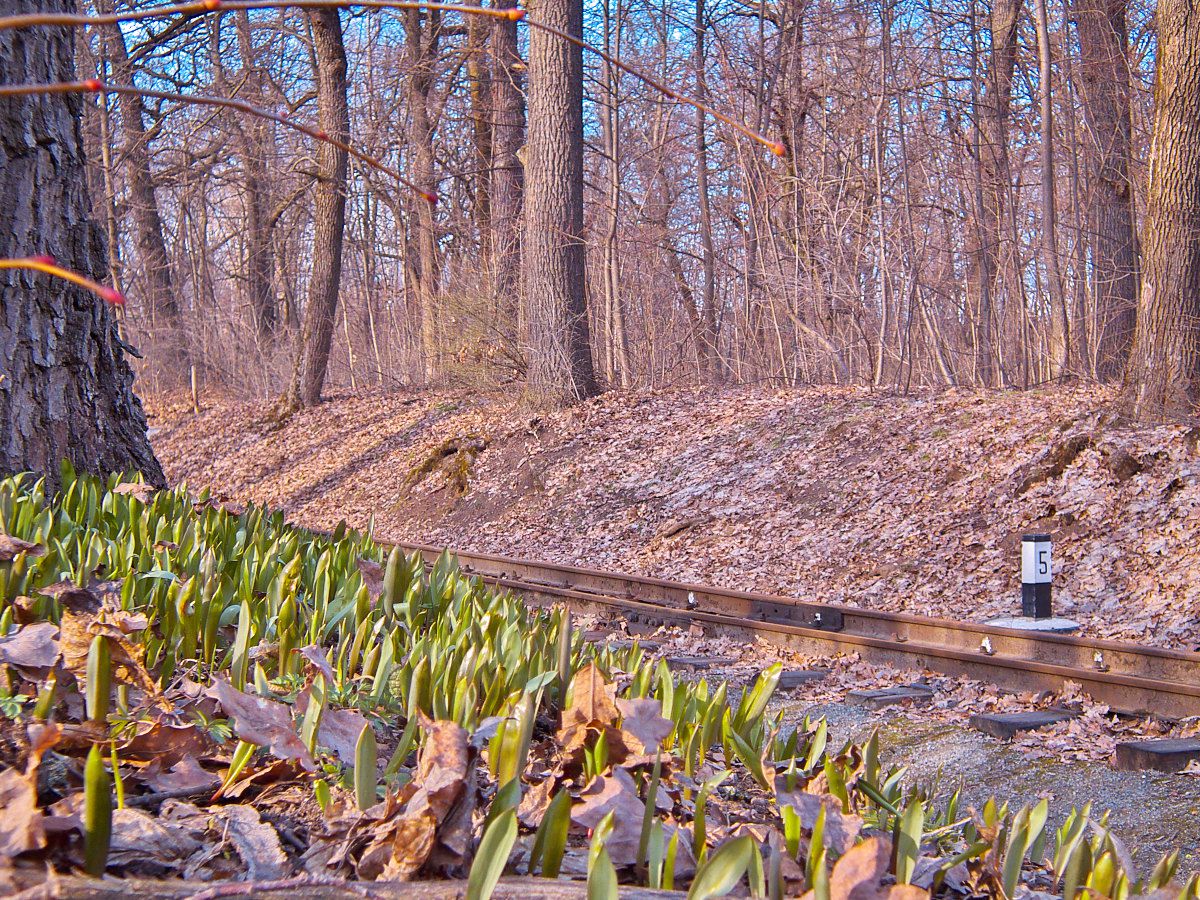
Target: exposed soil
pixel 831 494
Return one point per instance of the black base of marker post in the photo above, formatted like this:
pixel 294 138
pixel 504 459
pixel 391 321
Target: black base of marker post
pixel 1037 613
pixel 1035 576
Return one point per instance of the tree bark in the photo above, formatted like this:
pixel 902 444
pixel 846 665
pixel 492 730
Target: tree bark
pixel 508 177
pixel 169 348
pixel 1050 257
pixel 616 350
pixel 1163 376
pixel 421 41
pixel 1104 89
pixel 556 338
pixel 706 338
pixel 995 178
pixel 329 214
pixel 250 137
pixel 66 389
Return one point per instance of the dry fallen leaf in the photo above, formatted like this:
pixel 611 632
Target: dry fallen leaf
pixel 262 721
pixel 138 490
pixel 411 847
pixel 91 612
pixel 615 793
pixel 841 829
pixel 859 875
pixel 442 768
pixel 141 841
pixel 32 646
pixel 644 721
pixel 21 825
pixel 11 546
pixel 187 774
pixel 256 842
pixel 592 699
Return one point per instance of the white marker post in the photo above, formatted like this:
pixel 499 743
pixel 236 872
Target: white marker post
pixel 1035 576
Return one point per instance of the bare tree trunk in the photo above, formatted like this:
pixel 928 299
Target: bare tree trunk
pixel 1163 376
pixel 1104 90
pixel 250 138
pixel 617 344
pixel 995 177
pixel 66 390
pixel 479 84
pixel 508 136
pixel 421 41
pixel 1050 258
pixel 166 320
pixel 556 337
pixel 707 337
pixel 329 214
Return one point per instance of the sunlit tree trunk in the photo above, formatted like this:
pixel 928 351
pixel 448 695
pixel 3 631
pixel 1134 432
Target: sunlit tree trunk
pixel 169 346
pixel 1058 299
pixel 422 31
pixel 1163 376
pixel 706 338
pixel 1104 89
pixel 508 136
pixel 995 180
pixel 329 214
pixel 556 338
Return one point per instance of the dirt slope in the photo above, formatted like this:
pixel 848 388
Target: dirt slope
pixel 838 494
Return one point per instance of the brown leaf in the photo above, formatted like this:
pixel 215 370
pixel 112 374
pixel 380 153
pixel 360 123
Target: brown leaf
pixel 11 546
pixel 373 575
pixel 442 768
pixel 21 825
pixel 186 774
pixel 535 802
pixel 33 646
pixel 456 834
pixel 86 615
pixel 320 662
pixel 256 843
pixel 859 875
pixel 166 742
pixel 272 773
pixel 339 729
pixel 614 793
pixel 644 721
pixel 142 492
pixel 591 699
pixel 139 839
pixel 411 847
pixel 261 721
pixel 841 830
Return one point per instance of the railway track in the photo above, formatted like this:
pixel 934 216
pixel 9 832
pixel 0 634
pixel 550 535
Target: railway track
pixel 1128 677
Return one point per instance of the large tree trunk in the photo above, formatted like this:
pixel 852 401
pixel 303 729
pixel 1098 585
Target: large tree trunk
pixel 995 177
pixel 66 390
pixel 1058 295
pixel 706 338
pixel 250 138
pixel 1163 376
pixel 421 40
pixel 169 348
pixel 556 338
pixel 1104 90
pixel 329 214
pixel 507 177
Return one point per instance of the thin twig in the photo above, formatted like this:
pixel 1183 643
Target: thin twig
pixel 48 265
pixel 204 7
pixel 94 85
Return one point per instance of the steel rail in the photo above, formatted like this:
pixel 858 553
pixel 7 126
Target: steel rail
pixel 1130 678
